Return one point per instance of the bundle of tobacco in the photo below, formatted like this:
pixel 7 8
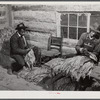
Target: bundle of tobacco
pixel 30 59
pixel 76 67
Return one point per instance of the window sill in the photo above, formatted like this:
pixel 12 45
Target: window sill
pixel 69 42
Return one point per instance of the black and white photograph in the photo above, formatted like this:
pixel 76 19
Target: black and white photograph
pixel 50 47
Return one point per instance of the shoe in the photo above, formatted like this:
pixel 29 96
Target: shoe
pixel 9 71
pixel 17 74
pixel 25 68
pixel 38 65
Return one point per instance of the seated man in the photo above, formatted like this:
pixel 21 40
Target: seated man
pixel 88 45
pixel 19 47
pixel 89 42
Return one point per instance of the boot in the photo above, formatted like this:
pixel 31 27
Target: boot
pixel 9 71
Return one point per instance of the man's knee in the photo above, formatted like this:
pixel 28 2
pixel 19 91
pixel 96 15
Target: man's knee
pixel 37 50
pixel 22 63
pixel 19 59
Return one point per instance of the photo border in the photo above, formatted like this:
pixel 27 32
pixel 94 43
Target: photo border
pixel 52 94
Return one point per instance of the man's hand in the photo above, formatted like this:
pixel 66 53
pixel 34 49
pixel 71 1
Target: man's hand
pixel 93 56
pixel 84 51
pixel 29 48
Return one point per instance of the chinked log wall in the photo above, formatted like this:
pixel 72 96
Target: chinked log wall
pixel 41 21
pixel 42 18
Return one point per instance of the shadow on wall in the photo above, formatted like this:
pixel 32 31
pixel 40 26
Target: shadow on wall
pixel 5 59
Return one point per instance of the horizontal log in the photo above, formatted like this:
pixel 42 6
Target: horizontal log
pixel 38 44
pixel 41 16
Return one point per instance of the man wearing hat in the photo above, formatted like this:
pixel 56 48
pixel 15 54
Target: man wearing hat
pixel 19 47
pixel 89 42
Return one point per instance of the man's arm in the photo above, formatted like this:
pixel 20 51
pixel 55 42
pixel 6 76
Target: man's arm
pixel 16 49
pixel 27 45
pixel 79 45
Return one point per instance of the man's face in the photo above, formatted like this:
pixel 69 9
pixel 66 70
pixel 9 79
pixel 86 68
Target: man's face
pixel 21 32
pixel 92 34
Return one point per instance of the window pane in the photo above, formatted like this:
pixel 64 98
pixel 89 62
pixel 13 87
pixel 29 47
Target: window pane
pixel 94 19
pixel 72 32
pixel 64 32
pixel 73 20
pixel 64 19
pixel 83 20
pixel 80 31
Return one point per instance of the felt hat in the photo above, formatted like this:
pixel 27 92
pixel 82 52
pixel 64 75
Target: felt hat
pixel 95 28
pixel 21 26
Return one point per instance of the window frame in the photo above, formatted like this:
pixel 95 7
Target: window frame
pixel 58 19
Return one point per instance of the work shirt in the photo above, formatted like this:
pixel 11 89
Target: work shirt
pixel 92 45
pixel 23 39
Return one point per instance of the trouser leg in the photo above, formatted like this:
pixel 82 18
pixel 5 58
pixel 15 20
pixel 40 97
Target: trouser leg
pixel 37 53
pixel 20 61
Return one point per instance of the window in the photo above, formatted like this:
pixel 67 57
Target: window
pixel 72 25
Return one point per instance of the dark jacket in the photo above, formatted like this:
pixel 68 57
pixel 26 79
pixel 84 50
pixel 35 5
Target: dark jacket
pixel 90 45
pixel 17 45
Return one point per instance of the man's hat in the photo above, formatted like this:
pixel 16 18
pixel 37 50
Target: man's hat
pixel 96 28
pixel 21 26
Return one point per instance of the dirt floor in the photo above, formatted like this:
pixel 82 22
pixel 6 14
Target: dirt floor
pixel 11 82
